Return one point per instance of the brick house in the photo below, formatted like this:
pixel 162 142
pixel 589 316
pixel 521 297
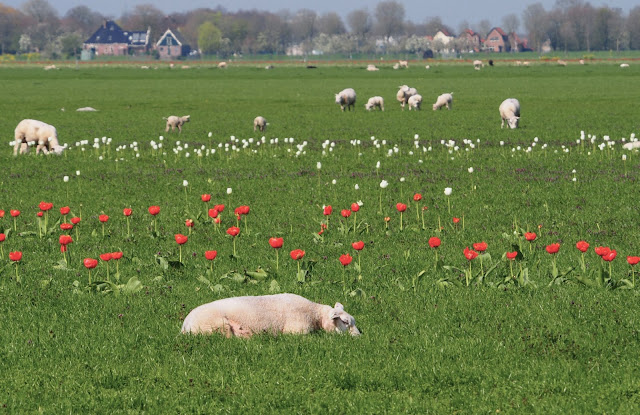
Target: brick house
pixel 172 45
pixel 469 41
pixel 497 41
pixel 111 40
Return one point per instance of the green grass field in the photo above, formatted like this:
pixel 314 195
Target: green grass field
pixel 550 334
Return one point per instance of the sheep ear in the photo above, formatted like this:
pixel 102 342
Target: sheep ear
pixel 338 306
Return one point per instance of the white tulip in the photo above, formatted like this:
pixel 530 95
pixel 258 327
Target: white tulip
pixel 229 190
pixel 448 191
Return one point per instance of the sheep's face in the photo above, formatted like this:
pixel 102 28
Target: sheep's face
pixel 343 321
pixel 339 99
pixel 57 149
pixel 368 106
pixel 513 122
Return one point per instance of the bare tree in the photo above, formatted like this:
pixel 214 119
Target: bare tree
pixel 535 23
pixel 304 26
pixel 331 24
pixel 143 17
pixel 42 23
pixel 389 18
pixel 464 25
pixel 11 21
pixel 510 23
pixel 633 27
pixel 483 27
pixel 360 23
pixel 82 20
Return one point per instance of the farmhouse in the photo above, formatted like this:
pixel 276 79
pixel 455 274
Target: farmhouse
pixel 497 41
pixel 110 39
pixel 172 45
pixel 469 41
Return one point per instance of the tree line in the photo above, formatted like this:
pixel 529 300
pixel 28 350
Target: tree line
pixel 570 25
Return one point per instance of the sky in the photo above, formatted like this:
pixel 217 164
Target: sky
pixel 452 12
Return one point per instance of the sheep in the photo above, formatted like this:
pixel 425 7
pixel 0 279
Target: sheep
pixel 443 100
pixel 510 111
pixel 477 64
pixel 404 94
pixel 222 65
pixel 174 121
pixel 624 65
pixel 403 64
pixel 86 109
pixel 259 123
pixel 562 63
pixel 38 132
pixel 372 68
pixel 374 102
pixel 581 61
pixel 396 66
pixel 273 314
pixel 346 98
pixel 631 145
pixel 415 101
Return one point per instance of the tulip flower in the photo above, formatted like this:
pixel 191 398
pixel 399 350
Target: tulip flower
pixel 127 211
pixel 16 257
pixel 14 214
pixel 66 226
pixel 1 213
pixel 610 256
pixel 455 220
pixel 116 256
pixel 210 256
pixel 64 211
pixel 154 210
pixel 297 255
pixel 530 236
pixel 633 260
pixel 2 239
pixel 553 249
pixel 434 242
pixel 417 198
pixel 127 214
pixel 355 207
pixel 345 259
pixel 470 255
pixel 601 251
pixel 480 246
pixel 583 247
pixel 358 246
pixel 205 198
pixel 213 213
pixel 106 257
pixel 181 240
pixel 75 220
pixel 345 213
pixel 447 193
pixel 233 231
pixel 401 207
pixel 90 263
pixel 327 210
pixel 103 219
pixel 46 207
pixel 511 256
pixel 64 241
pixel 276 243
pixel 189 224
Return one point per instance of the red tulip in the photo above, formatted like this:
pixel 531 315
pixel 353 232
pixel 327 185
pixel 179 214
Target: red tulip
pixel 90 263
pixel 233 231
pixel 66 226
pixel 553 248
pixel 530 236
pixel 355 207
pixel 297 254
pixel 480 246
pixel 2 237
pixel 15 213
pixel 401 207
pixel 213 213
pixel 216 220
pixel 181 239
pixel 205 198
pixel 469 254
pixel 633 260
pixel 327 210
pixel 1 213
pixel 358 246
pixel 40 214
pixel 434 242
pixel 65 210
pixel 44 206
pixel 276 243
pixel 512 255
pixel 15 256
pixel 610 256
pixel 602 250
pixel 210 255
pixel 127 211
pixel 116 255
pixel 582 246
pixel 345 213
pixel 154 210
pixel 417 197
pixel 189 223
pixel 244 210
pixel 75 220
pixel 103 218
pixel 65 239
pixel 219 208
pixel 345 259
pixel 456 220
pixel 106 257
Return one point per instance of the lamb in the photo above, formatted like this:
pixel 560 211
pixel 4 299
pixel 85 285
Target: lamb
pixel 259 123
pixel 222 65
pixel 510 111
pixel 404 94
pixel 346 98
pixel 174 121
pixel 415 101
pixel 34 131
pixel 477 64
pixel 273 314
pixel 375 102
pixel 562 63
pixel 403 64
pixel 443 100
pixel 624 65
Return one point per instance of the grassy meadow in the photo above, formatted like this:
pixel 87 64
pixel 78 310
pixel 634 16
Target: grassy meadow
pixel 542 334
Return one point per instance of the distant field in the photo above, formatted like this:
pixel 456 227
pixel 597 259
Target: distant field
pixel 548 334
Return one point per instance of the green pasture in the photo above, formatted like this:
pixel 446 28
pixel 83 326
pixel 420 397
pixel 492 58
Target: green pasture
pixel 550 334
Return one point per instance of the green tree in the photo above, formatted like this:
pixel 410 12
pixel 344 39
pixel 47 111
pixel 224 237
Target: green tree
pixel 209 38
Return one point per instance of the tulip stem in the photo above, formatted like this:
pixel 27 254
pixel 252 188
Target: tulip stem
pixel 180 249
pixel 17 277
pixel 128 228
pixel 400 220
pixel 276 260
pixel 234 247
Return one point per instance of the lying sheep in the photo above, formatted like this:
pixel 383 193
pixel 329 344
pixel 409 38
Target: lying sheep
pixel 404 94
pixel 443 100
pixel 624 65
pixel 174 121
pixel 259 123
pixel 477 64
pixel 273 314
pixel 346 98
pixel 415 101
pixel 38 132
pixel 562 63
pixel 375 102
pixel 510 111
pixel 372 68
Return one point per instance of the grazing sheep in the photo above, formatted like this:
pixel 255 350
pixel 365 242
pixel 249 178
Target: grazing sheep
pixel 346 98
pixel 375 102
pixel 404 94
pixel 581 61
pixel 477 64
pixel 624 65
pixel 427 67
pixel 510 111
pixel 174 121
pixel 38 132
pixel 562 63
pixel 273 314
pixel 415 102
pixel 403 64
pixel 268 67
pixel 222 65
pixel 396 66
pixel 443 100
pixel 259 123
pixel 632 145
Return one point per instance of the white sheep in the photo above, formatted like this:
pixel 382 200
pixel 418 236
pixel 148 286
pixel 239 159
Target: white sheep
pixel 273 314
pixel 477 64
pixel 174 121
pixel 222 65
pixel 444 100
pixel 562 63
pixel 259 123
pixel 624 65
pixel 404 93
pixel 415 102
pixel 36 132
pixel 346 98
pixel 403 64
pixel 510 111
pixel 372 68
pixel 375 102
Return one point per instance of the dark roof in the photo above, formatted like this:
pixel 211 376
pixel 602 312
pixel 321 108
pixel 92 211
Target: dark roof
pixel 500 31
pixel 110 32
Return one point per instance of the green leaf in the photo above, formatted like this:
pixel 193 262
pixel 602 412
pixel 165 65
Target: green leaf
pixel 274 287
pixel 132 286
pixel 258 274
pixel 162 262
